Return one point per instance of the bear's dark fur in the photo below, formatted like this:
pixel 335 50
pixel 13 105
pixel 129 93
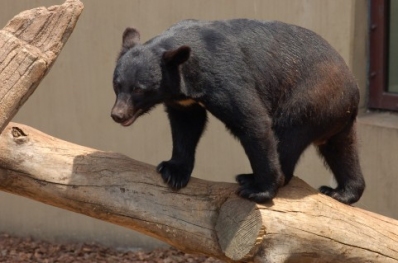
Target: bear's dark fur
pixel 277 88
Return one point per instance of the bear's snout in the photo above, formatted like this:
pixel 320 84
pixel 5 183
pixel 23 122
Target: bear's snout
pixel 125 116
pixel 122 110
pixel 118 116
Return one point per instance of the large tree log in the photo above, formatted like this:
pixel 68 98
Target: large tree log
pixel 29 45
pixel 300 225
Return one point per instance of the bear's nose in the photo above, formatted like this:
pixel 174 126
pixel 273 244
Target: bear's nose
pixel 118 116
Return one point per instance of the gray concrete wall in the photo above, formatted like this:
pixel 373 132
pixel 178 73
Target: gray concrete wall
pixel 74 101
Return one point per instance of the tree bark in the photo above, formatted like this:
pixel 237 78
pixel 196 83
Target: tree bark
pixel 299 225
pixel 29 45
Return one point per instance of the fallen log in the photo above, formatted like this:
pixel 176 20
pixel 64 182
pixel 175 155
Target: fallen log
pixel 29 45
pixel 300 225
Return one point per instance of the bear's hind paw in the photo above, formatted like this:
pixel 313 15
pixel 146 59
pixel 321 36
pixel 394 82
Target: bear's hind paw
pixel 340 195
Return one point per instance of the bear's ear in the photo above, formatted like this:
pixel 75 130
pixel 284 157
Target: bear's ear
pixel 131 37
pixel 177 56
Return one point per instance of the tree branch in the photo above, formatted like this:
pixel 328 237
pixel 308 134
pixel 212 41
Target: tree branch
pixel 29 45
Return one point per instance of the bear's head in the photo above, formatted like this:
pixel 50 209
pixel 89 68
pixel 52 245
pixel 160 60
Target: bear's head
pixel 144 77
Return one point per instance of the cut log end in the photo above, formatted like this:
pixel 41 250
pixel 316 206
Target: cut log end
pixel 239 228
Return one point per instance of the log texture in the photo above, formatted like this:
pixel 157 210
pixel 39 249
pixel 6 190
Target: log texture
pixel 29 45
pixel 300 225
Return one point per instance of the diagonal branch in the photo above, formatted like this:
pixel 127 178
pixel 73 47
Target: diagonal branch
pixel 29 45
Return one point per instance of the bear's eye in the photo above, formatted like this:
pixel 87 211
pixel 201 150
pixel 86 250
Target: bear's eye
pixel 138 91
pixel 116 88
pixel 116 85
pixel 138 88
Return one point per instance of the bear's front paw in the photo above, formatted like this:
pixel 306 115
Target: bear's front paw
pixel 176 175
pixel 251 190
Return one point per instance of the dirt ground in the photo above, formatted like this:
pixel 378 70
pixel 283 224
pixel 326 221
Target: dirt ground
pixel 26 250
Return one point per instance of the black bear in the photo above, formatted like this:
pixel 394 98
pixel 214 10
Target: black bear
pixel 277 88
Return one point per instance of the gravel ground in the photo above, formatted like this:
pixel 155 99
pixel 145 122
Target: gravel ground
pixel 26 250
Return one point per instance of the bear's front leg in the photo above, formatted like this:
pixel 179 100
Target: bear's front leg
pixel 187 125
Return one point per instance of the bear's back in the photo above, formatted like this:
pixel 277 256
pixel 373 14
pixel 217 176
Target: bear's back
pixel 264 46
pixel 226 35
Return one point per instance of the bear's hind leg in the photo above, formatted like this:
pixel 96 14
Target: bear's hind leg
pixel 245 116
pixel 340 154
pixel 292 143
pixel 260 147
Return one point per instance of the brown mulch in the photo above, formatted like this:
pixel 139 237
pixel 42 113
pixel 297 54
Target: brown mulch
pixel 26 250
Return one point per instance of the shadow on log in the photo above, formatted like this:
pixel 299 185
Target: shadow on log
pixel 300 225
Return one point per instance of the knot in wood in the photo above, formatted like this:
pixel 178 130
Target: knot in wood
pixel 19 136
pixel 17 132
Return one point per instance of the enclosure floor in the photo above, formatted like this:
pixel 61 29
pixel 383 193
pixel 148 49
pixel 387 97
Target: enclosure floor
pixel 26 250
